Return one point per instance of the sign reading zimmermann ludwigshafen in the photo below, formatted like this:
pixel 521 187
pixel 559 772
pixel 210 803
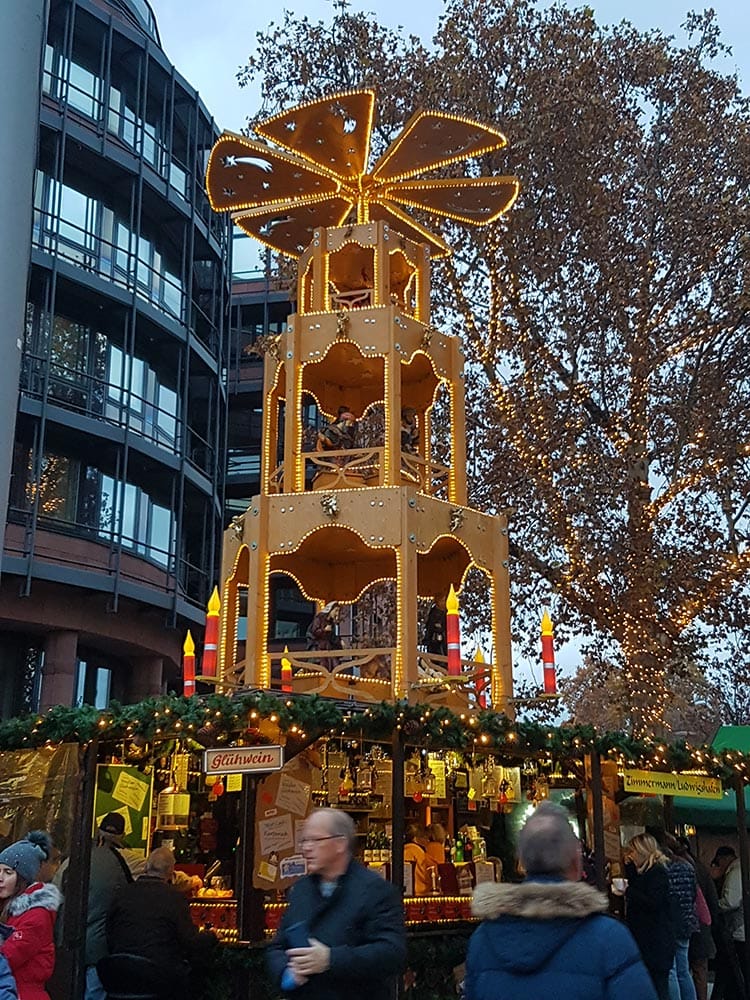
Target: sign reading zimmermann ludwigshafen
pixel 695 786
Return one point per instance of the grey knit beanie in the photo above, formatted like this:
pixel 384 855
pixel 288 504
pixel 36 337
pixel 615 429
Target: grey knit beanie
pixel 26 856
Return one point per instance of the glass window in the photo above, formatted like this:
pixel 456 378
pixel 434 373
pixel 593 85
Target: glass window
pixel 172 294
pixel 84 90
pixel 178 179
pixel 107 505
pixel 74 215
pixel 167 425
pixel 57 488
pixel 93 684
pixel 160 534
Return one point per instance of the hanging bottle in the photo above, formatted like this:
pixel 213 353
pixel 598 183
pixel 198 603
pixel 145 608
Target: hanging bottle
pixel 459 857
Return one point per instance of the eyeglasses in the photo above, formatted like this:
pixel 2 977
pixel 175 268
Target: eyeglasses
pixel 318 840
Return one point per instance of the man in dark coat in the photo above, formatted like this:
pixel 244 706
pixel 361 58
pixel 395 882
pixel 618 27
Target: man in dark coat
pixel 151 918
pixel 550 937
pixel 353 922
pixel 108 875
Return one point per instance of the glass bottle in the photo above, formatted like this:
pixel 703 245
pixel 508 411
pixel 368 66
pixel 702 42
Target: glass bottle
pixel 468 849
pixel 459 856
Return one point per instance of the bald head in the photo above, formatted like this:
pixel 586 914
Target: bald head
pixel 160 863
pixel 547 844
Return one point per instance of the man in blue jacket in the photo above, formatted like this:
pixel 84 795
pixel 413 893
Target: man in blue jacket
pixel 350 921
pixel 550 937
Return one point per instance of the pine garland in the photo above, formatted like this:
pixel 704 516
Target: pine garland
pixel 217 719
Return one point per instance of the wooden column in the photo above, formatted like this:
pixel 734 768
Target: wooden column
pixel 405 672
pixel 744 845
pixel 598 816
pixel 397 810
pixel 294 475
pixel 250 914
pixel 392 414
pixel 71 954
pixel 384 242
pixel 457 481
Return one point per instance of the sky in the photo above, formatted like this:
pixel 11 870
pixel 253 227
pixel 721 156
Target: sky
pixel 208 40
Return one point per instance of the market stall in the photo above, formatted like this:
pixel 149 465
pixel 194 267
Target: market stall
pixel 478 771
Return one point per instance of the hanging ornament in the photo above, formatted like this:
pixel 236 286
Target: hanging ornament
pixel 218 789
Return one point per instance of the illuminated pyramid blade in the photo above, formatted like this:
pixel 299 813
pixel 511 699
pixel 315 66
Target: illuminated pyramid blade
pixel 476 201
pixel 404 225
pixel 242 174
pixel 333 132
pixel 319 176
pixel 288 226
pixel 432 139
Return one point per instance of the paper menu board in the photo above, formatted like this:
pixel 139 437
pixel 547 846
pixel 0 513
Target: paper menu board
pixel 127 791
pixel 283 801
pixel 293 795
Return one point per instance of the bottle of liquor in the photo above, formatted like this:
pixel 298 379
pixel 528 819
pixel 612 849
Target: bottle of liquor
pixel 383 857
pixel 468 849
pixel 459 856
pixel 367 856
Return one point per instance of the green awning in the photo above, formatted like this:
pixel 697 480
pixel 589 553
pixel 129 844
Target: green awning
pixel 710 812
pixel 717 812
pixel 732 738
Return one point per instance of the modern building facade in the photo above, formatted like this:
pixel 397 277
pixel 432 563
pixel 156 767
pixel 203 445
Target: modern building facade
pixel 117 481
pixel 262 300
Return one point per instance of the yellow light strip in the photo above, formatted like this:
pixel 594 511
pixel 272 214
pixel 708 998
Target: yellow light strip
pixel 495 140
pixel 263 127
pixel 218 173
pixel 319 600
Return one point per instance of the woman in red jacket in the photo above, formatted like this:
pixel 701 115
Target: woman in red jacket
pixel 30 908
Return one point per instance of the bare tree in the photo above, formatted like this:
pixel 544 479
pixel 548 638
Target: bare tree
pixel 606 319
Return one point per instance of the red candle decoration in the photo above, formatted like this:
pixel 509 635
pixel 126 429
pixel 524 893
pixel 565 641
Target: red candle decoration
pixel 548 655
pixel 453 633
pixel 286 672
pixel 188 666
pixel 210 642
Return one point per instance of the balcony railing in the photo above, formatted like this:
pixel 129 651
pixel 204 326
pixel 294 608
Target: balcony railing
pixel 364 467
pixel 366 675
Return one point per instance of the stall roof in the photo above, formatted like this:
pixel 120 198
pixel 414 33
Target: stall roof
pixel 710 812
pixel 717 812
pixel 732 738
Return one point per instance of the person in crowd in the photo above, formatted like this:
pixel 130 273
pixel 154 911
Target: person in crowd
pixel 702 947
pixel 436 837
pixel 8 989
pixel 48 868
pixel 649 911
pixel 353 925
pixel 108 874
pixel 415 849
pixel 684 888
pixel 550 937
pixel 151 918
pixel 730 975
pixel 29 907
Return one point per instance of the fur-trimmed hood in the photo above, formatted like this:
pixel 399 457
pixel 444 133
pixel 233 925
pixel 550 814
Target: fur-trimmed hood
pixel 525 924
pixel 532 900
pixel 42 894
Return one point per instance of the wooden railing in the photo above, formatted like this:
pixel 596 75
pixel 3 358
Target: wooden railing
pixel 337 469
pixel 366 675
